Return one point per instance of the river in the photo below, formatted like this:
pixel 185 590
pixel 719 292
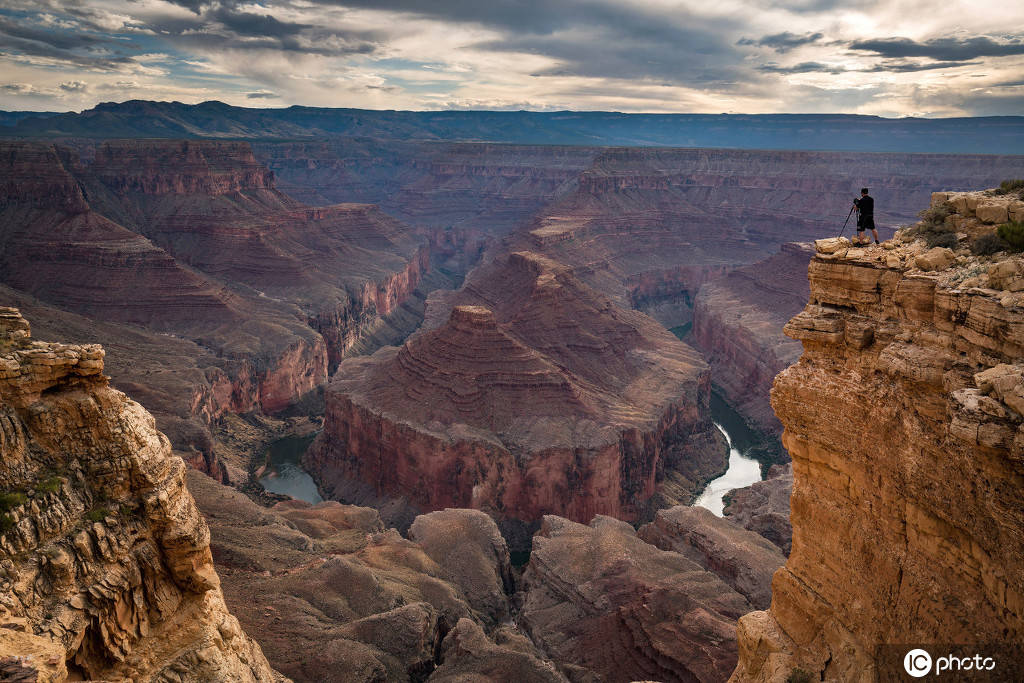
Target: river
pixel 743 470
pixel 284 474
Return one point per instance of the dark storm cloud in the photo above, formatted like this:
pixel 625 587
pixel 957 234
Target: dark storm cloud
pixel 887 66
pixel 226 27
pixel 898 66
pixel 782 42
pixel 74 47
pixel 801 68
pixel 614 42
pixel 942 49
pixel 251 24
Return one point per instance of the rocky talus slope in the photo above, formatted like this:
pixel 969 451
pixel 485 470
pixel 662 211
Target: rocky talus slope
pixel 105 565
pixel 333 595
pixel 327 588
pixel 905 421
pixel 763 507
pixel 527 393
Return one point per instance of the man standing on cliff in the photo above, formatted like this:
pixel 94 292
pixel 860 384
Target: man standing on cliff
pixel 865 216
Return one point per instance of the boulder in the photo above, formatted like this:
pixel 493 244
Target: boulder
pixel 938 258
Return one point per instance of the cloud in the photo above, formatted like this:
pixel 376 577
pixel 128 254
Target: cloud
pixel 18 88
pixel 942 49
pixel 73 86
pixel 902 66
pixel 782 42
pixel 260 95
pixel 802 68
pixel 59 44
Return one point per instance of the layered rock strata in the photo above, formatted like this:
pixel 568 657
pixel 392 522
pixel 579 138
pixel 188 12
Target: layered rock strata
pixel 737 324
pixel 903 418
pixel 526 393
pixel 190 244
pixel 105 562
pixel 650 226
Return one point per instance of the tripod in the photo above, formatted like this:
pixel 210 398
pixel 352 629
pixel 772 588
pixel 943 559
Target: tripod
pixel 847 220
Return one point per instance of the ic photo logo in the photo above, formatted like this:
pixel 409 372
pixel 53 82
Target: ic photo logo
pixel 917 663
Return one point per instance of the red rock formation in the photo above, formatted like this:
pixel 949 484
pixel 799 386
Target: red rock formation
pixel 739 557
pixel 192 240
pixel 339 598
pixel 903 418
pixel 738 321
pixel 667 220
pixel 535 395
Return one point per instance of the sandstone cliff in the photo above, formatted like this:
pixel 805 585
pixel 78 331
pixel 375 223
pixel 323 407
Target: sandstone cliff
pixel 904 421
pixel 526 393
pixel 105 565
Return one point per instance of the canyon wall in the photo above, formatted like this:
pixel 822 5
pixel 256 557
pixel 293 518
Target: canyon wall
pixel 105 565
pixel 737 324
pixel 525 393
pixel 904 421
pixel 189 246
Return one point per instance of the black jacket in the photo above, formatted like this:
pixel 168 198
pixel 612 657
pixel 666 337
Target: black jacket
pixel 866 212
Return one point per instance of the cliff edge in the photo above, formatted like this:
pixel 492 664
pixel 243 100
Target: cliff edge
pixel 904 420
pixel 105 564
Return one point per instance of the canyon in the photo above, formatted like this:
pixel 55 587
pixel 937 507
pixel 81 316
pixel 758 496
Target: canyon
pixel 495 317
pixel 903 420
pixel 246 297
pixel 105 564
pixel 526 393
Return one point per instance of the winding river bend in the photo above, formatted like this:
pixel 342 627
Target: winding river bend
pixel 742 471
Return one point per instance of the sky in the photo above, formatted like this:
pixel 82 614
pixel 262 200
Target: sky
pixel 892 58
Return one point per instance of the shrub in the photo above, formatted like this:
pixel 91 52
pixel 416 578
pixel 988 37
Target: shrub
pixel 11 499
pixel 798 676
pixel 6 523
pixel 941 239
pixel 935 216
pixel 1013 234
pixel 49 485
pixel 97 514
pixel 988 244
pixel 1008 186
